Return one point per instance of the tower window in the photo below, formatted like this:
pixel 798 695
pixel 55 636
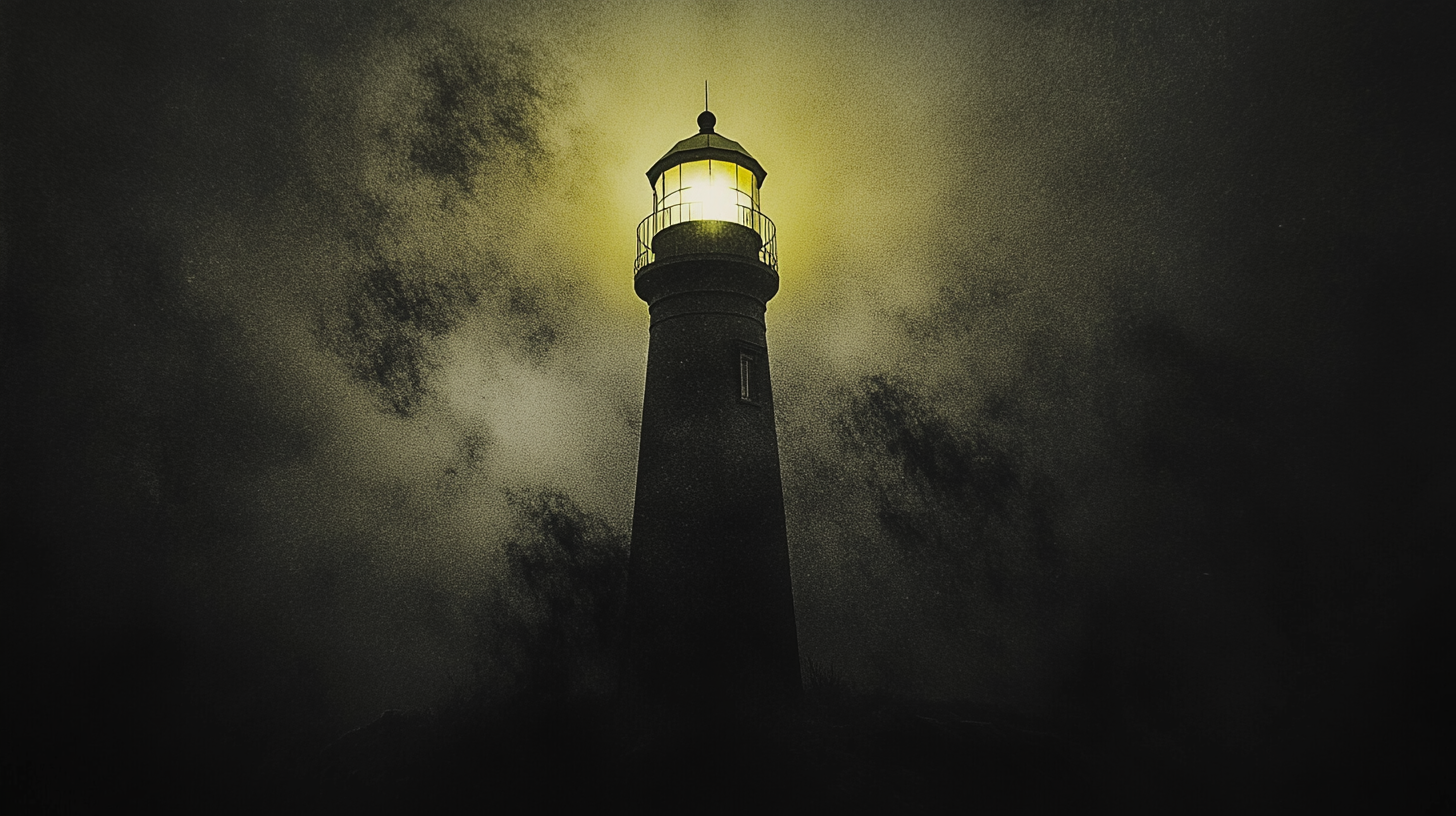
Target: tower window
pixel 753 387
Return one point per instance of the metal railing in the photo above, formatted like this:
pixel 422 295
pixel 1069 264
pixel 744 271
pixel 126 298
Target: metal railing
pixel 667 216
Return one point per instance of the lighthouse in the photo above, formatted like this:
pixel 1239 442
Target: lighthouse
pixel 710 608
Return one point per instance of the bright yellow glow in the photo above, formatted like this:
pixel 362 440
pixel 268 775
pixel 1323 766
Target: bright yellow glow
pixel 706 190
pixel 880 79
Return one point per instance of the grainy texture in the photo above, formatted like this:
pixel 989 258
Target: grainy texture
pixel 1108 362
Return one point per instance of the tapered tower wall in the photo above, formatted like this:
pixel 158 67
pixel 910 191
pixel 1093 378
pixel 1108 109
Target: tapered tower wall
pixel 710 604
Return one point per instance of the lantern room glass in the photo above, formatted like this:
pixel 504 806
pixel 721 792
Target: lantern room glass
pixel 705 190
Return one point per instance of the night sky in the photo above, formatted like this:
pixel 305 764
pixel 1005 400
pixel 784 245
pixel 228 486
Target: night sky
pixel 1107 357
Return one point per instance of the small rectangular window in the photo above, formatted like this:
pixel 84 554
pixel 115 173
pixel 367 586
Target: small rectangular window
pixel 745 367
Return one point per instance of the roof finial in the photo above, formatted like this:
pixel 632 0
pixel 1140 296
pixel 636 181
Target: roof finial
pixel 706 119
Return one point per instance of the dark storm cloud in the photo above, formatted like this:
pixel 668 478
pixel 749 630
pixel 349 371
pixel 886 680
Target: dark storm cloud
pixel 474 101
pixel 1139 323
pixel 392 320
pixel 945 491
pixel 557 621
pixel 228 263
pixel 464 111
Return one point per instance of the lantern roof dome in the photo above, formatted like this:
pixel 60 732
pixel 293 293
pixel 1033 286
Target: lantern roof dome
pixel 707 145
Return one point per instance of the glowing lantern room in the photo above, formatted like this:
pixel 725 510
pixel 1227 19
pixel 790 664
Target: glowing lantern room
pixel 705 198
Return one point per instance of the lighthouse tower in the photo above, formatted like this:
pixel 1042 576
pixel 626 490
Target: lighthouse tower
pixel 710 606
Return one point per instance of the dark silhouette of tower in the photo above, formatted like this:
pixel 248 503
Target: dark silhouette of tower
pixel 710 605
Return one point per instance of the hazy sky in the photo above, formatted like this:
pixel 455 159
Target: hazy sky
pixel 1086 353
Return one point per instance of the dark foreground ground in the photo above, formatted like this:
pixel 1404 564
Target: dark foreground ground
pixel 835 751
